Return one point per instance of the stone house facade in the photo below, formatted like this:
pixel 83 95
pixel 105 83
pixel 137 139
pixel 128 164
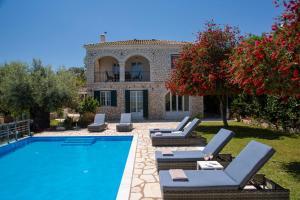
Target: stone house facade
pixel 129 76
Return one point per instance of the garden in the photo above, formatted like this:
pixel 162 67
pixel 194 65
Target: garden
pixel 257 78
pixel 283 168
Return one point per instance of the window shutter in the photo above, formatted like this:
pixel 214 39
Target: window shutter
pixel 127 101
pixel 97 96
pixel 113 95
pixel 145 103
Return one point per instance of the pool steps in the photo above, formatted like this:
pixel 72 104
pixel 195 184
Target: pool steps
pixel 78 141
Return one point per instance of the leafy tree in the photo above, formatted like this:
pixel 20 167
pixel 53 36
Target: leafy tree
pixel 270 64
pixel 51 90
pixel 15 89
pixel 202 66
pixel 79 72
pixel 37 90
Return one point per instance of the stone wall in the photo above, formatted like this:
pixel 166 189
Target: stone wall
pixel 156 93
pixel 196 106
pixel 159 58
pixel 156 101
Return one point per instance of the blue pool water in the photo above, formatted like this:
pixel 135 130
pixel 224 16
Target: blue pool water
pixel 56 168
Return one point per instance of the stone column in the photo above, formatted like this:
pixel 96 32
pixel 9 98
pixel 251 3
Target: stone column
pixel 90 69
pixel 122 71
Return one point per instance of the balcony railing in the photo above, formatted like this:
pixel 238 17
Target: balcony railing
pixel 107 76
pixel 130 76
pixel 137 76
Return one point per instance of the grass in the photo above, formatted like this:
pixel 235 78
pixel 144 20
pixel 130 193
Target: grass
pixel 54 123
pixel 284 166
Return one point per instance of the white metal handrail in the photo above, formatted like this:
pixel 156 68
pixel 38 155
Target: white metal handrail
pixel 15 129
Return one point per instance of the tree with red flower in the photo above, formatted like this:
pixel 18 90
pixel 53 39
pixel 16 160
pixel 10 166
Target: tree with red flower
pixel 202 66
pixel 270 64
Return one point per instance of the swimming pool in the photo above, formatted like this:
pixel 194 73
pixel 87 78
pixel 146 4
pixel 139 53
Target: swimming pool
pixel 63 168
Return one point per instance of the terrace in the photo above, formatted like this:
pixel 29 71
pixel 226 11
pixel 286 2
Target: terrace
pixel 283 168
pixel 109 69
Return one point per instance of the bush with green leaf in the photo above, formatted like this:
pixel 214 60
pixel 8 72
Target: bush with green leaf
pixel 68 123
pixel 86 119
pixel 88 104
pixel 279 112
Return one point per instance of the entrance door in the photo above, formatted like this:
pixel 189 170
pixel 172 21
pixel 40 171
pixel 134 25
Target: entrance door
pixel 136 104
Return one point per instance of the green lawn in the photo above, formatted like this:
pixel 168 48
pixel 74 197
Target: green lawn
pixel 283 168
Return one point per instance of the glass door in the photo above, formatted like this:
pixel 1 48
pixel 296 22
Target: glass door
pixel 136 71
pixel 136 104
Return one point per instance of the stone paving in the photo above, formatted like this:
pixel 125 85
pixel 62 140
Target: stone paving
pixel 145 181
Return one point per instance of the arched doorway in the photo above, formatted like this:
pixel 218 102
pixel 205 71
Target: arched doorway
pixel 137 68
pixel 107 69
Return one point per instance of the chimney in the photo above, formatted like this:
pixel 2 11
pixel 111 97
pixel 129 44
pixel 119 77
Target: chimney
pixel 102 38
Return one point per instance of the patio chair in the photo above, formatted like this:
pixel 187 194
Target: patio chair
pixel 179 127
pixel 237 181
pixel 188 159
pixel 99 123
pixel 179 138
pixel 109 77
pixel 125 124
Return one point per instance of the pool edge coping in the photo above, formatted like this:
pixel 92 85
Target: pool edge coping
pixel 125 185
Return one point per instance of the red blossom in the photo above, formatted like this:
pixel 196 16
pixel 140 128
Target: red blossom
pixel 270 64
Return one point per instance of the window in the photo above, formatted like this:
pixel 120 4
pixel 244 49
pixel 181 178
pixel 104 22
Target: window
pixel 116 69
pixel 105 98
pixel 174 57
pixel 186 103
pixel 175 103
pixel 168 101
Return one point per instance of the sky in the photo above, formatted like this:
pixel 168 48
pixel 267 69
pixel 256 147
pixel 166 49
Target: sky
pixel 56 30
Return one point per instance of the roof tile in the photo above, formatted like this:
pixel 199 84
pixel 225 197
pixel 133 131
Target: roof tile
pixel 139 42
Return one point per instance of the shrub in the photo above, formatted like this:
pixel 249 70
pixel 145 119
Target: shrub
pixel 284 113
pixel 86 119
pixel 60 113
pixel 68 123
pixel 88 104
pixel 281 113
pixel 54 123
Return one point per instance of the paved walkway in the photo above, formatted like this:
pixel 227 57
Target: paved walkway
pixel 145 182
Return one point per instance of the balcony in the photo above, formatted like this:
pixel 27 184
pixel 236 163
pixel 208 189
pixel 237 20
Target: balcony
pixel 130 76
pixel 137 76
pixel 135 69
pixel 107 76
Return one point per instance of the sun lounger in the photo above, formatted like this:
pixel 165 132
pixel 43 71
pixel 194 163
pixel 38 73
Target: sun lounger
pixel 231 183
pixel 179 127
pixel 179 138
pixel 125 124
pixel 188 159
pixel 99 123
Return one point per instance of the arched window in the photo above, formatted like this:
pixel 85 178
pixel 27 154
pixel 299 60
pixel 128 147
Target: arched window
pixel 175 103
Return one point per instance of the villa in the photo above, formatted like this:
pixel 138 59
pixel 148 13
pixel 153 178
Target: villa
pixel 129 76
